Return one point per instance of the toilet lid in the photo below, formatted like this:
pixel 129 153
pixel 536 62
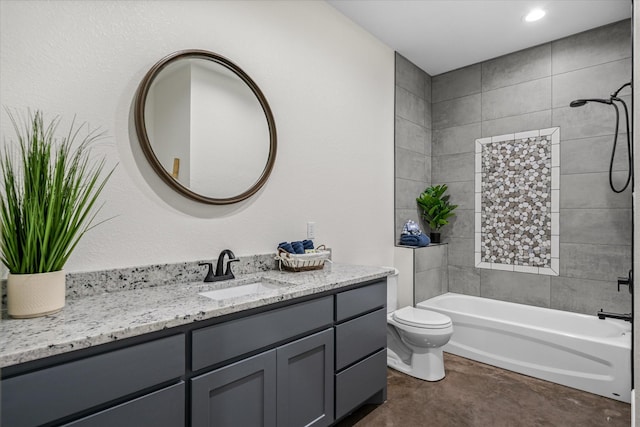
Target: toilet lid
pixel 420 318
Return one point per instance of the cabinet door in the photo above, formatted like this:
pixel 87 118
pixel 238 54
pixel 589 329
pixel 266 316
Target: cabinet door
pixel 305 381
pixel 240 394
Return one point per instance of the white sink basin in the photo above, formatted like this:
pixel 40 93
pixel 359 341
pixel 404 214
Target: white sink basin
pixel 242 290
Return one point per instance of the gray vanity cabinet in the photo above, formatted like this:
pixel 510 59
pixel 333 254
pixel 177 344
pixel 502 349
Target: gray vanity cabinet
pixel 290 384
pixel 43 396
pixel 308 362
pixel 361 341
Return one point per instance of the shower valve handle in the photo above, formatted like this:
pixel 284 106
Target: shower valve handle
pixel 626 281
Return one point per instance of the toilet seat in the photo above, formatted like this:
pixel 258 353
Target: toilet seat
pixel 420 318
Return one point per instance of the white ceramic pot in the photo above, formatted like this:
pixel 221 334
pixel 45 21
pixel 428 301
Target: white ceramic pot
pixel 35 295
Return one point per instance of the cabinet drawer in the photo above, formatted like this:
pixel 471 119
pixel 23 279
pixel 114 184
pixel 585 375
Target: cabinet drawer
pixel 354 302
pixel 360 337
pixel 164 408
pixel 38 397
pixel 359 382
pixel 227 340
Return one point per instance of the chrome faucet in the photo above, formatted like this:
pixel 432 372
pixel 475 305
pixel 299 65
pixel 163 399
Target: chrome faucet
pixel 220 274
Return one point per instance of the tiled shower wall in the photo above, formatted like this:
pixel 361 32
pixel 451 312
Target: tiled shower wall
pixel 527 90
pixel 413 140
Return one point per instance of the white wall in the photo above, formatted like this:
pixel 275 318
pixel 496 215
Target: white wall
pixel 329 84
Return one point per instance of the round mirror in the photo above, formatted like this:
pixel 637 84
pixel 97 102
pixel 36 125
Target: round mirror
pixel 205 127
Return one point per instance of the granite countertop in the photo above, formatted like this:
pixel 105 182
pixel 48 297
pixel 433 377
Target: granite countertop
pixel 109 316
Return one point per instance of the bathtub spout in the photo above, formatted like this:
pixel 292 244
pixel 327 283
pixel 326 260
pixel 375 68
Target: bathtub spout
pixel 603 315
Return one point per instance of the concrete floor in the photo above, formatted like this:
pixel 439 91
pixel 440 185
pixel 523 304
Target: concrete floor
pixel 477 395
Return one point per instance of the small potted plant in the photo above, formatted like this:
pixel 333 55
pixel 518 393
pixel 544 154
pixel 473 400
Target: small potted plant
pixel 436 209
pixel 47 203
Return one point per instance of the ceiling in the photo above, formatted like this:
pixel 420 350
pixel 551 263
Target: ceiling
pixel 443 35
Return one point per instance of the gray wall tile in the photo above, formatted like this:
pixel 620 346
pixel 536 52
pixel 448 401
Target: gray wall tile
pixel 462 193
pixel 460 225
pixel 461 252
pixel 464 280
pixel 411 107
pixel 428 87
pixel 410 165
pixel 591 190
pixel 524 122
pixel 596 262
pixel 428 284
pixel 456 112
pixel 455 84
pixel 406 193
pixel 430 257
pixel 454 140
pixel 412 140
pixel 453 167
pixel 588 296
pixel 604 44
pixel 518 67
pixel 593 82
pixel 587 155
pixel 409 76
pixel 531 289
pixel 527 97
pixel 598 226
pixel 412 136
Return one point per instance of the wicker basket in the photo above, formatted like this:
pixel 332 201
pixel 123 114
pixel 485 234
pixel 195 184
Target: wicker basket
pixel 303 262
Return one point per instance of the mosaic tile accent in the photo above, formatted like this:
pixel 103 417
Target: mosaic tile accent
pixel 517 198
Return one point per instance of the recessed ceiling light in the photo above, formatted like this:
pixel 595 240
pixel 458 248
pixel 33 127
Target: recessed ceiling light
pixel 534 15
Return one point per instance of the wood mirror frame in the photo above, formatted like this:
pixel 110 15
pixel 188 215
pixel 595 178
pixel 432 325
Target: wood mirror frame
pixel 145 142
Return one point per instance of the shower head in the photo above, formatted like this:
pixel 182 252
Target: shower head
pixel 581 102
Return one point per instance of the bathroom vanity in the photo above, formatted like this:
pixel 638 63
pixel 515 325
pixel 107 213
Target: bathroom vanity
pixel 307 355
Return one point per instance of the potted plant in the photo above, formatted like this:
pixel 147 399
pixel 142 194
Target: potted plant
pixel 436 209
pixel 47 203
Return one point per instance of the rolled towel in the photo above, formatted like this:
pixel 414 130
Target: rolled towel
pixel 307 244
pixel 298 247
pixel 411 240
pixel 423 240
pixel 287 247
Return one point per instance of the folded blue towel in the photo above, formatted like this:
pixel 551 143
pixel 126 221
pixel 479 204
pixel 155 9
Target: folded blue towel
pixel 287 247
pixel 308 244
pixel 298 247
pixel 411 240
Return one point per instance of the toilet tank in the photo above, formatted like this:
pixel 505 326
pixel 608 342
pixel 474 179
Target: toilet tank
pixel 392 291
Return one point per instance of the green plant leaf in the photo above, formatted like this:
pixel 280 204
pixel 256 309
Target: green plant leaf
pixel 51 187
pixel 435 206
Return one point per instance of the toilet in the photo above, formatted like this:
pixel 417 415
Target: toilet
pixel 415 337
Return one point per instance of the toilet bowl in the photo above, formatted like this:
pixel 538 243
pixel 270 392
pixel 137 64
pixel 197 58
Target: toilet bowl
pixel 415 338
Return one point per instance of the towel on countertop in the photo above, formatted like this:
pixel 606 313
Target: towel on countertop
pixel 411 240
pixel 287 247
pixel 298 247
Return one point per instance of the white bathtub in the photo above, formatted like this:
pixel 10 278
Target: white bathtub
pixel 576 350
